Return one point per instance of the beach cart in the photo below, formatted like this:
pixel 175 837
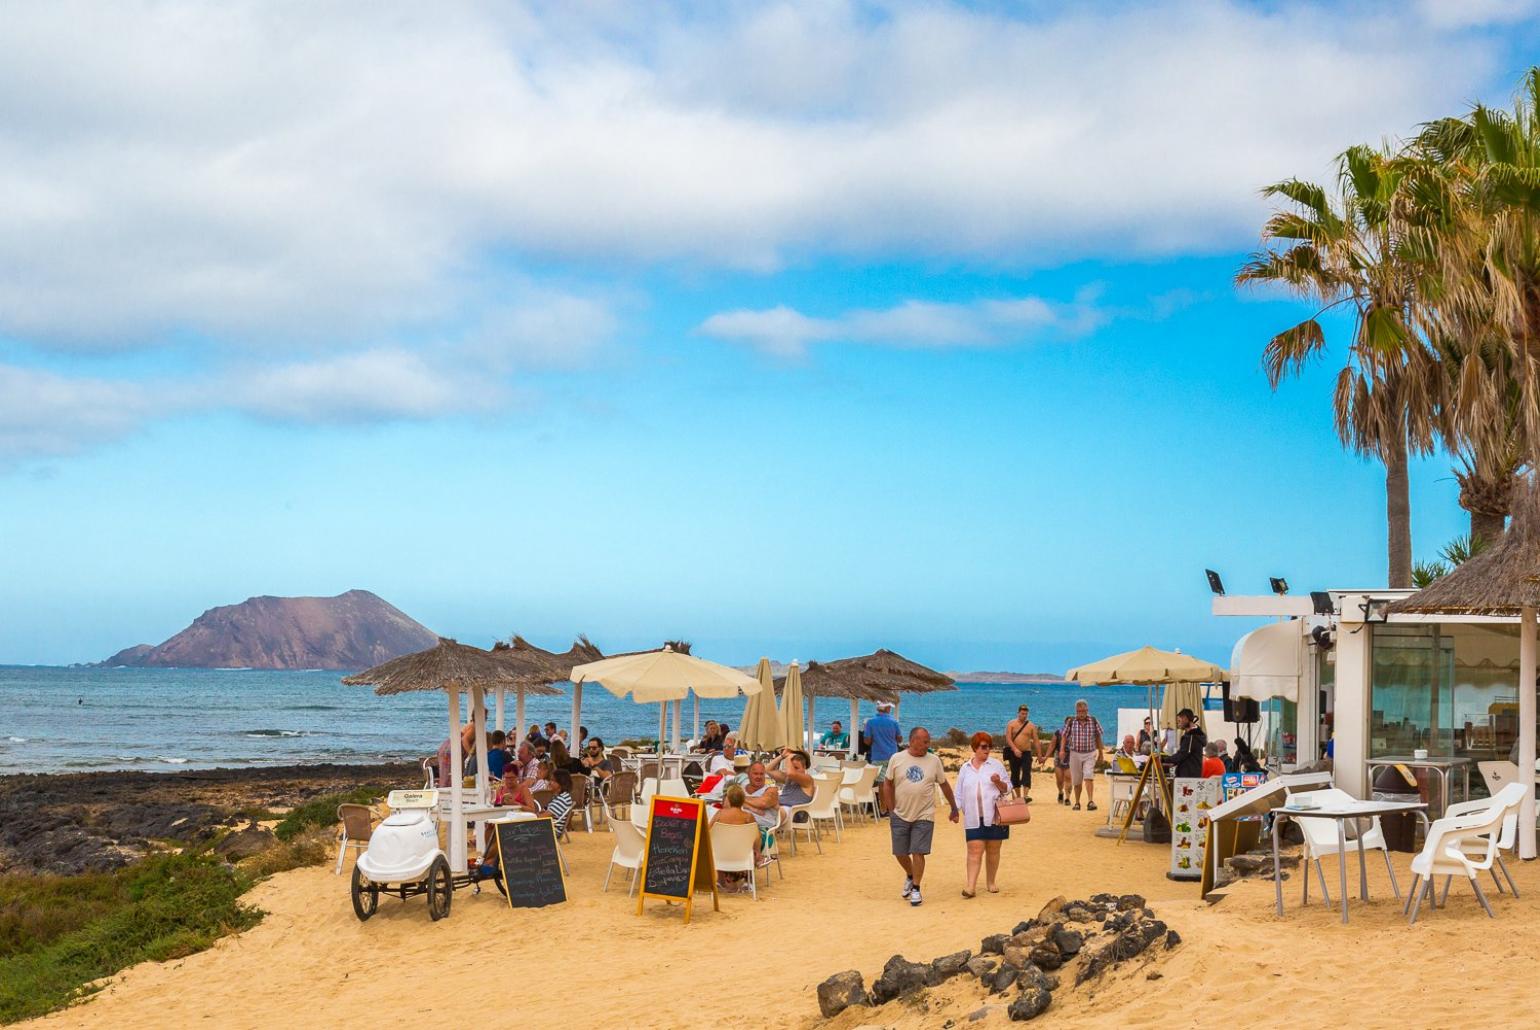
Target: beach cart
pixel 404 858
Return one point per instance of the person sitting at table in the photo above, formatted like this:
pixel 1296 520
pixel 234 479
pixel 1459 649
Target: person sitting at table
pixel 514 793
pixel 1128 748
pixel 560 807
pixel 525 765
pixel 789 771
pixel 560 759
pixel 711 740
pixel 836 739
pixel 733 813
pixel 1213 765
pixel 722 761
pixel 534 734
pixel 595 761
pixel 762 800
pixel 545 776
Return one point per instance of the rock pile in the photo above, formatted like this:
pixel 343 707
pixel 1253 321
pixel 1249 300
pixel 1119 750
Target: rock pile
pixel 1067 942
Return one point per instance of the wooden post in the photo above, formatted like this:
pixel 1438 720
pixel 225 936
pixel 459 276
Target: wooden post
pixel 456 784
pixel 577 711
pixel 501 690
pixel 518 716
pixel 1526 732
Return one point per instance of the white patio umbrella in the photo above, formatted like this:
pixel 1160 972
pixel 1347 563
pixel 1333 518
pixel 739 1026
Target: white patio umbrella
pixel 791 708
pixel 660 676
pixel 761 729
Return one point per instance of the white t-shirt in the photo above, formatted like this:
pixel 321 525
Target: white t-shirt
pixel 720 764
pixel 914 785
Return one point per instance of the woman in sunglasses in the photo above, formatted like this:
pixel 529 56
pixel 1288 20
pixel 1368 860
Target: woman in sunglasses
pixel 981 782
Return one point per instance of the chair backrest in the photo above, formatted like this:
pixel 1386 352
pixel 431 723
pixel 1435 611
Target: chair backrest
pixel 825 761
pixel 580 792
pixel 1498 775
pixel 674 788
pixel 852 763
pixel 621 788
pixel 693 768
pixel 868 781
pixel 825 796
pixel 629 840
pixel 851 777
pixel 649 771
pixel 357 821
pixel 430 772
pixel 543 798
pixel 1481 828
pixel 732 845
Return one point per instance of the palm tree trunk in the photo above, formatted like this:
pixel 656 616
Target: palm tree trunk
pixel 1485 527
pixel 1398 514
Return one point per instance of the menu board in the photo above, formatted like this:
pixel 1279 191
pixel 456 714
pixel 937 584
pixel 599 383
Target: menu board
pixel 1191 800
pixel 677 856
pixel 528 863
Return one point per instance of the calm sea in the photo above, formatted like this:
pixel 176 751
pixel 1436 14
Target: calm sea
pixel 62 719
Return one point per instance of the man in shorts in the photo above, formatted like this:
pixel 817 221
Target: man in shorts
pixel 1020 752
pixel 909 794
pixel 1082 749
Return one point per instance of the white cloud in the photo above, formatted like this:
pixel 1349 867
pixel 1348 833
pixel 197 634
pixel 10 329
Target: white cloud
pixel 1462 14
pixel 369 386
pixel 786 332
pixel 258 172
pixel 44 415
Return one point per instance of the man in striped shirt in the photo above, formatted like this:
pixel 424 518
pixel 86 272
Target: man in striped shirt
pixel 1082 748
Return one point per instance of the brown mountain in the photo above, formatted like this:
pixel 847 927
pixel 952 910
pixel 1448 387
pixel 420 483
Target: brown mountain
pixel 354 630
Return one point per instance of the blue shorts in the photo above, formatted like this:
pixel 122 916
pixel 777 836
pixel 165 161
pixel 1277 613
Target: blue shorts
pixel 996 832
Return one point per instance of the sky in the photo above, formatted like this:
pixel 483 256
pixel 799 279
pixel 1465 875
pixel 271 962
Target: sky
pixel 791 329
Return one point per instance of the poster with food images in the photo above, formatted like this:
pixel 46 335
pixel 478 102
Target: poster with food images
pixel 1190 803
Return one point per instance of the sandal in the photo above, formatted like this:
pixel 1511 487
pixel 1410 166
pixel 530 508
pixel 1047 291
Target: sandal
pixel 968 894
pixel 1090 806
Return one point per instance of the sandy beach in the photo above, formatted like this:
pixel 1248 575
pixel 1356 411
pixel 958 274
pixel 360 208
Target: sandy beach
pixel 594 961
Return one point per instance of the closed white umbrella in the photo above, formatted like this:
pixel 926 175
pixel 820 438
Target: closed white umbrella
pixel 762 729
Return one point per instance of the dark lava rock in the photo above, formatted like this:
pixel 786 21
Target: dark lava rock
pixel 841 991
pixel 1046 956
pixel 1030 1004
pixel 994 944
pixel 1104 899
pixel 1128 901
pixel 950 965
pixel 1023 926
pixel 980 966
pixel 900 977
pixel 1121 948
pixel 1068 942
pixel 1052 909
pixel 253 840
pixel 1173 938
pixel 1002 978
pixel 1033 977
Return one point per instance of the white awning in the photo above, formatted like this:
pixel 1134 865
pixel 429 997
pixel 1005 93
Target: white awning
pixel 1268 662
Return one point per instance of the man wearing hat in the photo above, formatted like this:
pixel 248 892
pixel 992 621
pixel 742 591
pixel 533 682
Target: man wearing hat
pixel 1188 760
pixel 882 735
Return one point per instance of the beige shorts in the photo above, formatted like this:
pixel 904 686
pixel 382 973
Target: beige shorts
pixel 1082 767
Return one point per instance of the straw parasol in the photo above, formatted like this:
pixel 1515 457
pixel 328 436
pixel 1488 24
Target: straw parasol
pixel 792 729
pixel 761 728
pixel 537 669
pixel 1503 580
pixel 453 668
pixel 880 676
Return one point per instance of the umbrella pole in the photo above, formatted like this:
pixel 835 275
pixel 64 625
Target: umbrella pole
pixel 662 732
pixel 500 723
pixel 1527 633
pixel 674 746
pixel 518 715
pixel 456 784
pixel 855 726
pixel 812 719
pixel 696 734
pixel 577 712
pixel 479 716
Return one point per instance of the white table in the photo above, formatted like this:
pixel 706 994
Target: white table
pixel 1359 812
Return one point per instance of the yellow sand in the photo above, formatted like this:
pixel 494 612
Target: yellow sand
pixel 594 962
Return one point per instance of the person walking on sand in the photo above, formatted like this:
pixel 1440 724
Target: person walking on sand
pixel 1020 751
pixel 1083 748
pixel 909 794
pixel 1060 767
pixel 981 784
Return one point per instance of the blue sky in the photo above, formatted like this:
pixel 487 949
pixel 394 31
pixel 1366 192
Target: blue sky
pixel 794 330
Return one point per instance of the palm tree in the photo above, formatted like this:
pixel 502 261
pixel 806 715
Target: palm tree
pixel 1487 244
pixel 1343 255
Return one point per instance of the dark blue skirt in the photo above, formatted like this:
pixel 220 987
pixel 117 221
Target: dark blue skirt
pixel 995 832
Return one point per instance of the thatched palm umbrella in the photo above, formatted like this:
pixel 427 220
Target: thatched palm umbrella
pixel 1503 580
pixel 880 676
pixel 453 668
pixel 537 669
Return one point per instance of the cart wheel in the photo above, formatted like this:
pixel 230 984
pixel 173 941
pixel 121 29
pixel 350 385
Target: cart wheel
pixel 497 879
pixel 440 888
pixel 366 896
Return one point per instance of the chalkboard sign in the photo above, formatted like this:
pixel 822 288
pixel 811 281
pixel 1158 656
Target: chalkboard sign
pixel 529 865
pixel 677 858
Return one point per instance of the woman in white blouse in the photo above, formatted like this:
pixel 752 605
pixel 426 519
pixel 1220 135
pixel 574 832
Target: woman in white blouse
pixel 981 782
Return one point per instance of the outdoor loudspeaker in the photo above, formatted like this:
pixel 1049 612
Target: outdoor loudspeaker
pixel 1241 709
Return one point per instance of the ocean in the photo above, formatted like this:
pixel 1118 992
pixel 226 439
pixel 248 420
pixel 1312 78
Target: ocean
pixel 79 719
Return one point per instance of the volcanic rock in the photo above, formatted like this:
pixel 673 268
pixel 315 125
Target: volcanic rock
pixel 841 991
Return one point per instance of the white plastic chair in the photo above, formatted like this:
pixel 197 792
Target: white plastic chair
pixel 860 789
pixel 1509 798
pixel 772 849
pixel 732 851
pixel 1498 775
pixel 674 788
pixel 1321 841
pixel 629 845
pixel 1461 844
pixel 823 808
pixel 825 761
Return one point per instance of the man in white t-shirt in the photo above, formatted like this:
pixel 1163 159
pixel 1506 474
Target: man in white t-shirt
pixel 909 794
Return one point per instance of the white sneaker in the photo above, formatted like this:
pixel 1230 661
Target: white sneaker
pixel 914 897
pixel 908 888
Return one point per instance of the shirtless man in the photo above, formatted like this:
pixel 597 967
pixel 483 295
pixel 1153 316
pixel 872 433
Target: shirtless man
pixel 1020 751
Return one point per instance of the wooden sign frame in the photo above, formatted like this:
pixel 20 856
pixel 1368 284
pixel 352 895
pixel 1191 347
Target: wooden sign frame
pixel 502 860
pixel 702 867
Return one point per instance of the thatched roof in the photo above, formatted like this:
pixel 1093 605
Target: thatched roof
pixel 1501 580
pixel 879 676
pixel 535 668
pixel 448 664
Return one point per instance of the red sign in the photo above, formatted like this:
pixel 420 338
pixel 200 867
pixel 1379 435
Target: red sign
pixel 673 808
